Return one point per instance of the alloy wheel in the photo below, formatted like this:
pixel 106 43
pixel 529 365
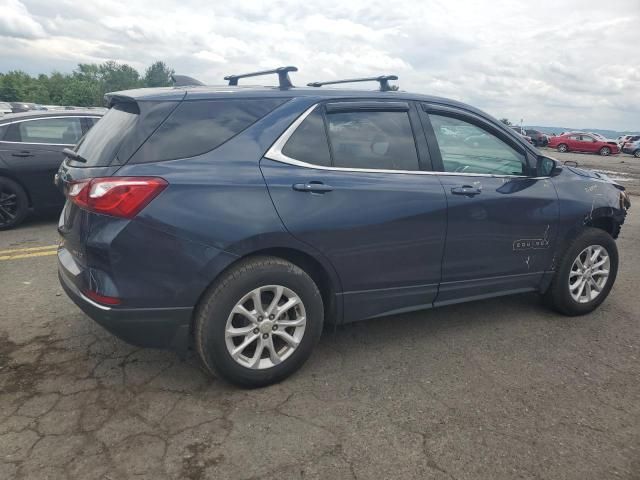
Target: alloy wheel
pixel 589 274
pixel 562 148
pixel 265 327
pixel 8 205
pixel 604 151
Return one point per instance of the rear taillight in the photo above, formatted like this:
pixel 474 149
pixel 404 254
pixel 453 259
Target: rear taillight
pixel 122 197
pixel 104 299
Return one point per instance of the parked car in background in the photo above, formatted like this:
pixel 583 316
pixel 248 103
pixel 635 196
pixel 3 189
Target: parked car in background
pixel 630 139
pixel 632 148
pixel 583 142
pixel 239 219
pixel 19 107
pixel 5 108
pixel 31 147
pixel 538 138
pixel 520 131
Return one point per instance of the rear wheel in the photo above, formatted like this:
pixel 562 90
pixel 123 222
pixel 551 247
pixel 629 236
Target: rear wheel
pixel 586 273
pixel 14 204
pixel 637 153
pixel 605 151
pixel 259 323
pixel 562 148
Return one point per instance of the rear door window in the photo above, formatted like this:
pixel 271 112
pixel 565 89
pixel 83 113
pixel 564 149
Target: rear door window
pixel 59 131
pixel 372 140
pixel 197 127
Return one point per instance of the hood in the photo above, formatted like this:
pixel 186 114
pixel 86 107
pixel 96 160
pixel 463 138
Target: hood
pixel 595 175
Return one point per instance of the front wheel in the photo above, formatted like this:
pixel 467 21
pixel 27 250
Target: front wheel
pixel 562 148
pixel 637 153
pixel 605 151
pixel 259 322
pixel 585 275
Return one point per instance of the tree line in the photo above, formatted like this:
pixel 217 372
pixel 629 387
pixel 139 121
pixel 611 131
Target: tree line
pixel 84 87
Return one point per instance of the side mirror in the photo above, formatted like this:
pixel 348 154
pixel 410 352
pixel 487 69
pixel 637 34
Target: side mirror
pixel 548 167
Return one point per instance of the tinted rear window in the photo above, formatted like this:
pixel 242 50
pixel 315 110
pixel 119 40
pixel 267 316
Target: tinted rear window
pixel 309 142
pixel 100 145
pixel 197 127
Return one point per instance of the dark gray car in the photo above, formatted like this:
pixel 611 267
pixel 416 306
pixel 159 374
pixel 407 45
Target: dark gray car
pixel 31 145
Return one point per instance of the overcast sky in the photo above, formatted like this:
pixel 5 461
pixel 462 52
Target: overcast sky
pixel 550 62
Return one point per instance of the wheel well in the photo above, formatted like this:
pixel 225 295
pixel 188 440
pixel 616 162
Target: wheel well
pixel 313 268
pixel 607 224
pixel 307 263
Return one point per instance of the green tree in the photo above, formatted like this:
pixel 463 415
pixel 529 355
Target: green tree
pixel 118 76
pixel 81 93
pixel 158 75
pixel 14 86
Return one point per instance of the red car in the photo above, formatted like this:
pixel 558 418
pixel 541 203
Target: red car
pixel 583 142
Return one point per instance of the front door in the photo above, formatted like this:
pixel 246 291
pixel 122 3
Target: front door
pixel 501 218
pixel 346 179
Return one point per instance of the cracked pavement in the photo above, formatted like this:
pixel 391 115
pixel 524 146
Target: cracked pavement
pixel 497 389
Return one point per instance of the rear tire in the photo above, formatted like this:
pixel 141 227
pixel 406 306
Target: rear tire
pixel 565 294
pixel 14 204
pixel 636 154
pixel 562 148
pixel 262 344
pixel 605 151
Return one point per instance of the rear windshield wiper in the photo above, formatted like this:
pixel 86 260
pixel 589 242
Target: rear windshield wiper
pixel 74 155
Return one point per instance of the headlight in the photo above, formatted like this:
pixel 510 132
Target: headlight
pixel 625 202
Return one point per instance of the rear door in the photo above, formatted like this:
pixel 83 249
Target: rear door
pixel 32 150
pixel 350 179
pixel 502 219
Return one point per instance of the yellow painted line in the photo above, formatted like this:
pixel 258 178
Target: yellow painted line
pixel 28 255
pixel 31 249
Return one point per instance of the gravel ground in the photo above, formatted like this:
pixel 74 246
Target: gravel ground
pixel 497 389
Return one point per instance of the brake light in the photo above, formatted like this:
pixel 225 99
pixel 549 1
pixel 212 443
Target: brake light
pixel 122 197
pixel 105 300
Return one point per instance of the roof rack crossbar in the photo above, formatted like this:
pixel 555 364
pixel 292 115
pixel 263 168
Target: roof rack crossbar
pixel 282 72
pixel 382 79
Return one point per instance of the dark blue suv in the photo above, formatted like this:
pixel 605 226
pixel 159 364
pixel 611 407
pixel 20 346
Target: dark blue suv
pixel 238 220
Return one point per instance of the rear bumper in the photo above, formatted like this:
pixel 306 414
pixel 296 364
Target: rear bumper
pixel 166 328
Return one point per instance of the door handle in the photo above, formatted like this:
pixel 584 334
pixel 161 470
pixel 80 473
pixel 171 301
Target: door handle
pixel 23 153
pixel 313 187
pixel 466 190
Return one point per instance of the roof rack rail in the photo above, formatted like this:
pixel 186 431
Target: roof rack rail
pixel 184 81
pixel 282 72
pixel 382 79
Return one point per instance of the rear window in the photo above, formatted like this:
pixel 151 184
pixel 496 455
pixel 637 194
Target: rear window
pixel 100 145
pixel 197 127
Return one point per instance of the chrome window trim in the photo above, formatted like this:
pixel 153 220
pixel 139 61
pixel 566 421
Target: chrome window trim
pixel 275 153
pixel 45 118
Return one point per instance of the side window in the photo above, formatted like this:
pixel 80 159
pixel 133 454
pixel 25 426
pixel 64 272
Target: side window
pixel 377 140
pixel 197 127
pixel 587 138
pixel 309 142
pixel 65 131
pixel 467 148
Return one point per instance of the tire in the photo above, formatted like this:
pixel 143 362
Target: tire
pixel 14 204
pixel 559 295
pixel 214 317
pixel 562 148
pixel 636 154
pixel 605 151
